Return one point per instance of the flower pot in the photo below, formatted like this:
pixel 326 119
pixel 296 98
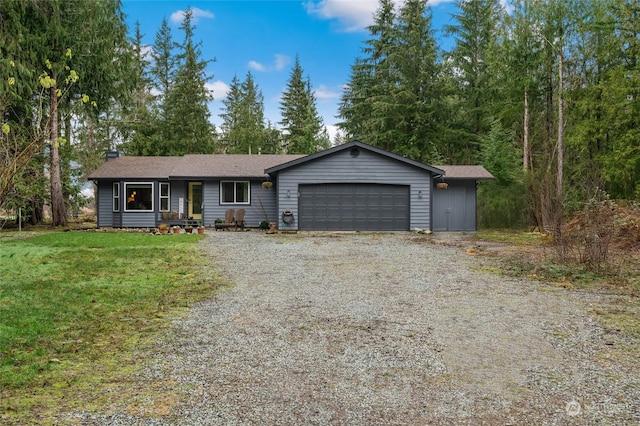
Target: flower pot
pixel 174 215
pixel 165 215
pixel 176 230
pixel 267 184
pixel 442 185
pixel 201 230
pixel 188 230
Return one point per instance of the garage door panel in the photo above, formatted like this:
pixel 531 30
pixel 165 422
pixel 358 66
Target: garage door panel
pixel 354 207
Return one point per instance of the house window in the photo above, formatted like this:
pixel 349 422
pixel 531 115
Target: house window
pixel 139 196
pixel 234 192
pixel 116 196
pixel 164 196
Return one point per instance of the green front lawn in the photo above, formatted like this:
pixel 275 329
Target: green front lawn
pixel 71 301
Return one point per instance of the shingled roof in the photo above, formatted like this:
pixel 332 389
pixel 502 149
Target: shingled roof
pixel 189 166
pixel 136 167
pixel 214 166
pixel 465 172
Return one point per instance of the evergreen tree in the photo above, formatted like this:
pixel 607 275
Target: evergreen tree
pixel 393 94
pixel 190 130
pixel 165 62
pixel 303 129
pixel 502 202
pixel 475 32
pixel 417 95
pixel 367 102
pixel 243 128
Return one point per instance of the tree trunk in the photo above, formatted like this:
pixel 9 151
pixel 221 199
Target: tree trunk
pixel 560 153
pixel 58 210
pixel 525 132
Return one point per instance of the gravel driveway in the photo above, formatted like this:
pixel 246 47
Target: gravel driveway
pixel 392 328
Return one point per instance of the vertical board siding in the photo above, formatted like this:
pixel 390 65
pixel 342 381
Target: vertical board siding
pixel 454 208
pixel 367 167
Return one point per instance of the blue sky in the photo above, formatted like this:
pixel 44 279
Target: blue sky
pixel 264 37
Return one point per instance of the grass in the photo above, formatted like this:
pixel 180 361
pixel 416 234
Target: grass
pixel 76 303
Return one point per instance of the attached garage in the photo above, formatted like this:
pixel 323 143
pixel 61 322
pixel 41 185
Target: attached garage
pixel 354 187
pixel 354 206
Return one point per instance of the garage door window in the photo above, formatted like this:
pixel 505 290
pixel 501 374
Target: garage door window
pixel 234 192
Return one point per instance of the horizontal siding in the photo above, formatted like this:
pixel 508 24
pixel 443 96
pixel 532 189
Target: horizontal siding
pixel 139 220
pixel 262 204
pixel 368 167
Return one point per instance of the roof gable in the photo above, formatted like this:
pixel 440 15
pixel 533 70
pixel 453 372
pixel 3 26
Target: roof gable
pixel 352 145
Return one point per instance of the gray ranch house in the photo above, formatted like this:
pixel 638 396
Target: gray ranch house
pixel 354 186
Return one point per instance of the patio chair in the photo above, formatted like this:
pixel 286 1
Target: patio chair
pixel 240 219
pixel 229 220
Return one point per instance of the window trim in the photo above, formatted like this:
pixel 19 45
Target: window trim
pixel 149 210
pixel 162 197
pixel 115 197
pixel 235 182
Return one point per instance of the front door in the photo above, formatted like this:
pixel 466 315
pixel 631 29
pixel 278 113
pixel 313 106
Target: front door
pixel 195 200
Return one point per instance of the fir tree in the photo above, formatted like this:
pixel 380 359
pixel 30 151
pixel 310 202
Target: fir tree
pixel 303 129
pixel 190 130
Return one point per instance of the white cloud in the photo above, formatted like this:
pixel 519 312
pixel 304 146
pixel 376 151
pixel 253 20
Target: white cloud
pixel 257 66
pixel 437 2
pixel 218 89
pixel 178 16
pixel 333 132
pixel 353 15
pixel 147 52
pixel 279 63
pixel 323 93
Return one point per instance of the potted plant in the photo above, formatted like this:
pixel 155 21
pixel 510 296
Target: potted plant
pixel 442 185
pixel 200 228
pixel 165 215
pixel 267 184
pixel 264 225
pixel 188 228
pixel 163 228
pixel 176 229
pixel 174 215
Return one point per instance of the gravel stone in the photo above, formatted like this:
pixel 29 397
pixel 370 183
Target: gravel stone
pixel 393 329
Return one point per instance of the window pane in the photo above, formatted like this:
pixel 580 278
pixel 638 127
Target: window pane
pixel 139 196
pixel 242 192
pixel 164 204
pixel 164 189
pixel 226 193
pixel 116 197
pixel 196 199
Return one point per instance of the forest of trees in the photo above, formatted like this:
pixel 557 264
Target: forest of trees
pixel 545 95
